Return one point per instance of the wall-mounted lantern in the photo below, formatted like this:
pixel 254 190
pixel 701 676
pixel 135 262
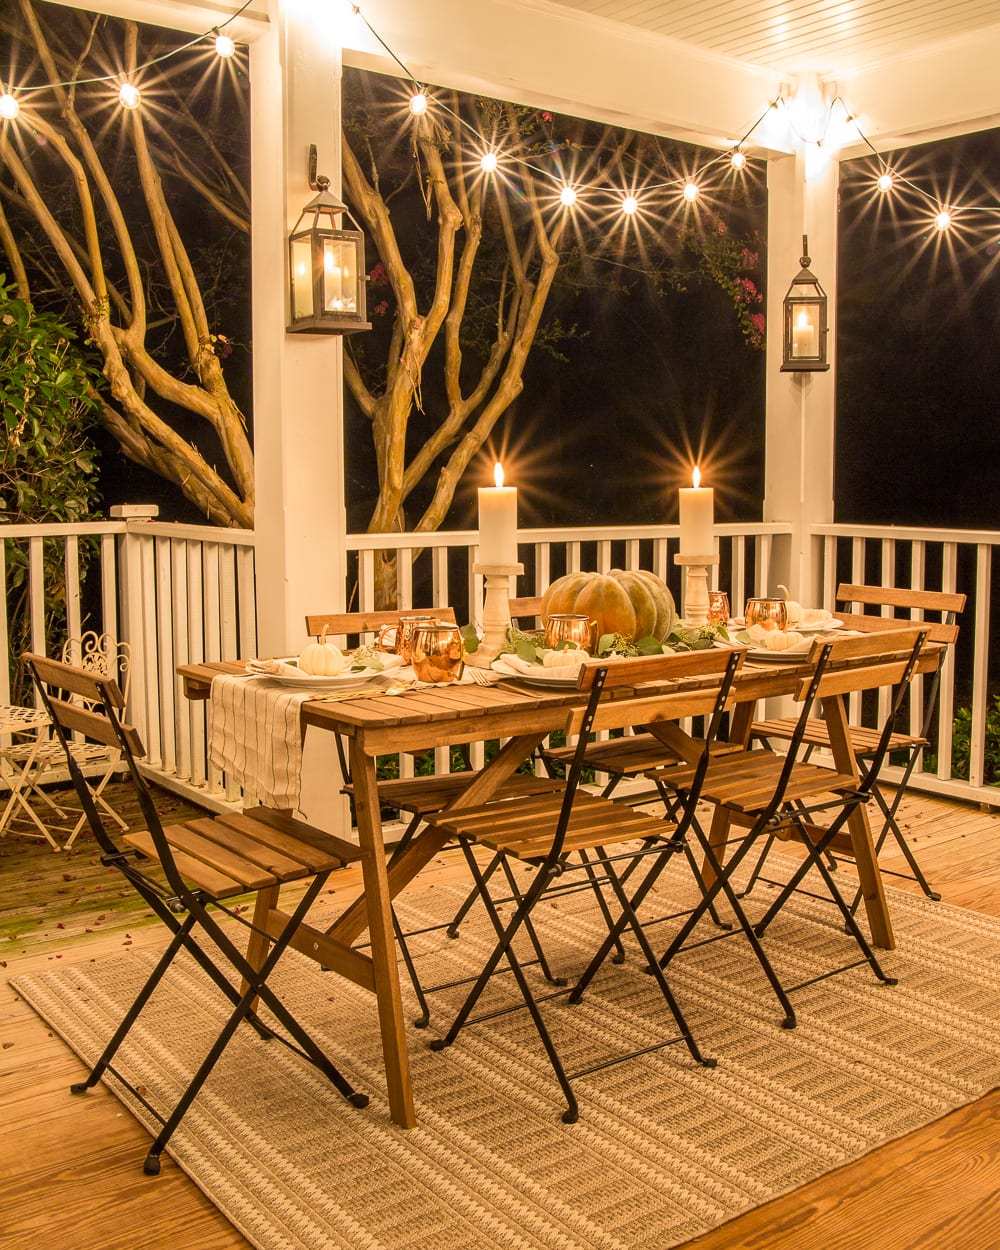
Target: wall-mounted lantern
pixel 326 266
pixel 806 328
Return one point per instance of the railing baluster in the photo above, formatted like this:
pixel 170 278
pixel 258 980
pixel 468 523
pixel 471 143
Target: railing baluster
pixel 246 602
pixel 71 565
pixel 660 555
pixel 196 651
pixel 888 582
pixel 542 567
pixel 109 587
pixel 227 600
pixel 737 582
pixel 857 577
pixel 632 553
pixel 213 632
pixel 366 581
pixel 165 651
pixel 147 582
pixel 573 552
pixel 404 576
pixel 918 572
pixel 603 555
pixel 980 665
pixel 946 705
pixel 179 628
pixel 829 573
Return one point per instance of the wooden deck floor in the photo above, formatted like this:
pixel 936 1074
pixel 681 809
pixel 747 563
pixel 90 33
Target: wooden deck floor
pixel 70 1168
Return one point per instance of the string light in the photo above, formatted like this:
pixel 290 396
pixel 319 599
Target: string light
pixel 691 191
pixel 885 182
pixel 9 107
pixel 738 160
pixel 224 46
pixel 942 219
pixel 630 205
pixel 418 103
pixel 567 196
pixel 488 162
pixel 128 95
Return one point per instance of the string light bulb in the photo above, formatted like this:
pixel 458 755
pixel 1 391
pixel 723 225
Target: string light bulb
pixel 9 107
pixel 567 196
pixel 630 205
pixel 691 191
pixel 224 46
pixel 943 219
pixel 738 160
pixel 128 95
pixel 488 162
pixel 418 103
pixel 885 182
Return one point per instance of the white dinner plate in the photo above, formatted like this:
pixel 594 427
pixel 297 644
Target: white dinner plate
pixel 310 681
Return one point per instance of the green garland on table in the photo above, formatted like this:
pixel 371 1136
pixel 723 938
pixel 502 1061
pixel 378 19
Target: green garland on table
pixel 530 645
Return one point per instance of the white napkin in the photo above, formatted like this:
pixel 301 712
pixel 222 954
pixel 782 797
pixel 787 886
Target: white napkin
pixel 563 672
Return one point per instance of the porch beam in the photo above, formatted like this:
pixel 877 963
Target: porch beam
pixel 192 16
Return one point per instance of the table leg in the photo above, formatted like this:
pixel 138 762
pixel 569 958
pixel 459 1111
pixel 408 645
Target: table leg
pixel 259 943
pixel 383 944
pixel 876 906
pixel 718 835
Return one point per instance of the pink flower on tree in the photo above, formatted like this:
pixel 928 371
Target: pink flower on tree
pixel 758 323
pixel 381 308
pixel 377 275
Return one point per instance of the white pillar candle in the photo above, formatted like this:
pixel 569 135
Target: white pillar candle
pixel 498 522
pixel 697 514
pixel 805 334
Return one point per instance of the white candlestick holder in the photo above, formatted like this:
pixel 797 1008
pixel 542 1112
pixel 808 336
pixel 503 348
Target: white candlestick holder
pixel 694 592
pixel 496 611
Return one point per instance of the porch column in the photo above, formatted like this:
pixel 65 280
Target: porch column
pixel 301 517
pixel 800 420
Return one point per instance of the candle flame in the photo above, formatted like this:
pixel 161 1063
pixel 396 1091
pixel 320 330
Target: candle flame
pixel 696 477
pixel 498 474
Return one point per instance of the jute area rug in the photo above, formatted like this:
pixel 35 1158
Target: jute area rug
pixel 663 1151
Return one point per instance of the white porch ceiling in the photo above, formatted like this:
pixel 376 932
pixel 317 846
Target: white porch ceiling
pixel 833 36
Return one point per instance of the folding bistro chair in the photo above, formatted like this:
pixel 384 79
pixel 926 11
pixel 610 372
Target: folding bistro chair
pixel 544 831
pixel 778 796
pixel 203 862
pixel 418 797
pixel 864 741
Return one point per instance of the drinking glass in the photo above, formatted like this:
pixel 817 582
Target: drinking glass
pixel 570 627
pixel 718 607
pixel 438 652
pixel 759 611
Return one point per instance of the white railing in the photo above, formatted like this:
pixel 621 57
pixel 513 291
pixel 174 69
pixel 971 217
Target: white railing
pixel 931 559
pixel 181 593
pixel 174 593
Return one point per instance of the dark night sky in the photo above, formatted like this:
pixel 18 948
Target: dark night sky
pixel 918 384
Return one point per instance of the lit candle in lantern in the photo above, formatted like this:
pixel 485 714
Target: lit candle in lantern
pixel 697 515
pixel 805 334
pixel 498 522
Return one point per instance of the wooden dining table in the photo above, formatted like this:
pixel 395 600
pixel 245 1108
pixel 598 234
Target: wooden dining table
pixel 522 717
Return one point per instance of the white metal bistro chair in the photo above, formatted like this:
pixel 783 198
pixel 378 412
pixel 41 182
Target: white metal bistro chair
pixel 44 761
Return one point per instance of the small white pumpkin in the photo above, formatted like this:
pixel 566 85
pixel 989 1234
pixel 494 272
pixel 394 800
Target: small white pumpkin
pixel 793 608
pixel 322 659
pixel 568 657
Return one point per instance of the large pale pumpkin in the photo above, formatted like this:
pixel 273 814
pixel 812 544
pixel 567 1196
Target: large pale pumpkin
pixel 634 604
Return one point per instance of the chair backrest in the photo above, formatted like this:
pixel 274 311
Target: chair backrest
pixel 99 718
pixel 865 663
pixel 356 624
pixel 945 604
pixel 598 676
pixel 528 609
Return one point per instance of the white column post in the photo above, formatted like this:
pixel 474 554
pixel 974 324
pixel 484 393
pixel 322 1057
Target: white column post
pixel 799 435
pixel 298 407
pixel 300 516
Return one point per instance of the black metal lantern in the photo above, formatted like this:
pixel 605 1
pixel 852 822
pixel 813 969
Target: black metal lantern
pixel 806 329
pixel 326 266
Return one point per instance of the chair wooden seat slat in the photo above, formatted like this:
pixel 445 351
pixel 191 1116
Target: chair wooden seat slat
pixel 194 871
pixel 423 795
pixel 223 860
pixel 746 782
pixel 630 755
pixel 864 741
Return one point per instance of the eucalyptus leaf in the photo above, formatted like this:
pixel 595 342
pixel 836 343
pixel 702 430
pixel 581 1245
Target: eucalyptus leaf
pixel 470 639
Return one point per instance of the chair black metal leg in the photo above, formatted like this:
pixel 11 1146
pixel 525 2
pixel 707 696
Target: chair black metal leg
pixel 529 928
pixel 619 956
pixel 482 890
pixel 723 882
pixel 153 980
pixel 679 1019
pixel 423 1019
pixel 614 934
pixel 256 985
pixel 816 853
pixel 504 949
pixel 470 899
pixel 891 825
